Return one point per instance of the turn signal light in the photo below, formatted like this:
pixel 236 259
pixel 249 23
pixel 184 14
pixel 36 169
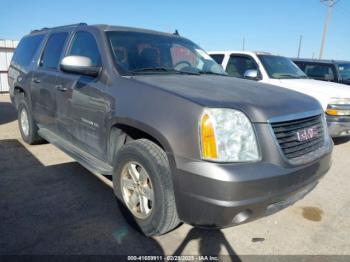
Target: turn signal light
pixel 336 112
pixel 209 150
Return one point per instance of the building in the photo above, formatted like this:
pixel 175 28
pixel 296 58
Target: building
pixel 7 48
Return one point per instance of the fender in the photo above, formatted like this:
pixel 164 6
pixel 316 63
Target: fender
pixel 162 140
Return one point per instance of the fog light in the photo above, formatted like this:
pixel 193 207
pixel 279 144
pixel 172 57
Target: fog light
pixel 242 216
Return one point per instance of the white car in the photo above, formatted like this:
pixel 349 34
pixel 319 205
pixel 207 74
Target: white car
pixel 281 71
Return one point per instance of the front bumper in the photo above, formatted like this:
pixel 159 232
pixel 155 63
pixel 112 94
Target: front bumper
pixel 338 126
pixel 221 195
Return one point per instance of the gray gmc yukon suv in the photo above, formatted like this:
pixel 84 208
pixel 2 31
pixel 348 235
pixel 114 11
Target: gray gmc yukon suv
pixel 181 140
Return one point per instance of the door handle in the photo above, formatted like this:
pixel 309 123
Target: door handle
pixel 36 80
pixel 61 88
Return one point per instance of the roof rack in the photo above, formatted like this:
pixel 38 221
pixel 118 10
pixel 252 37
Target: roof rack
pixel 50 28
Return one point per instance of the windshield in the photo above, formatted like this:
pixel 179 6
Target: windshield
pixel 344 71
pixel 145 53
pixel 279 67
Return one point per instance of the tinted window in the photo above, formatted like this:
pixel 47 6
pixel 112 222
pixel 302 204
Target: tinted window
pixel 182 55
pixel 280 67
pixel 344 71
pixel 144 53
pixel 238 65
pixel 299 64
pixel 53 50
pixel 319 71
pixel 26 50
pixel 218 58
pixel 84 44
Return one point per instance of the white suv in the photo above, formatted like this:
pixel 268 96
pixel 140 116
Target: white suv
pixel 281 71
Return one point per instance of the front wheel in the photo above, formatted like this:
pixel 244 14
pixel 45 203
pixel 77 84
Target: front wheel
pixel 143 184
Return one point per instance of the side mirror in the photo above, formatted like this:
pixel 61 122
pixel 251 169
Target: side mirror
pixel 251 74
pixel 79 65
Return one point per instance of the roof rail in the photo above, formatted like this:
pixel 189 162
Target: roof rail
pixel 50 28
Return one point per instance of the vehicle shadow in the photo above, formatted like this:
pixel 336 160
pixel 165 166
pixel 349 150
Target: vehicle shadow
pixel 340 140
pixel 7 113
pixel 210 243
pixel 60 209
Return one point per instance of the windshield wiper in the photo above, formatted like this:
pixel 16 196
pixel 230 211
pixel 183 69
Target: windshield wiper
pixel 211 73
pixel 162 69
pixel 152 69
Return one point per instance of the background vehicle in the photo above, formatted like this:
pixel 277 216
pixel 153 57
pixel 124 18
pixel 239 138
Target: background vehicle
pixel 180 139
pixel 281 71
pixel 326 70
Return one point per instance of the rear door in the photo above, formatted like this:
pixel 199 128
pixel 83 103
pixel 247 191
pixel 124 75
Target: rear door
pixel 44 81
pixel 81 102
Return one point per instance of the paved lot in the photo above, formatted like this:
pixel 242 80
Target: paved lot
pixel 49 204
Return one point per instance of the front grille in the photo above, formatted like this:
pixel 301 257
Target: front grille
pixel 287 136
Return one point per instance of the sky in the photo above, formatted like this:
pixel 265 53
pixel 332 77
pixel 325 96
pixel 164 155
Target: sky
pixel 266 25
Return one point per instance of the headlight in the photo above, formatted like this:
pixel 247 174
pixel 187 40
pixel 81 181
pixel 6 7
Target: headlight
pixel 339 107
pixel 339 101
pixel 227 135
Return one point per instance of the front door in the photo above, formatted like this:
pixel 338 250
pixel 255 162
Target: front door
pixel 82 107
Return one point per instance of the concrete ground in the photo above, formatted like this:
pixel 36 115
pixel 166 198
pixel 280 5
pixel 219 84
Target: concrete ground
pixel 49 204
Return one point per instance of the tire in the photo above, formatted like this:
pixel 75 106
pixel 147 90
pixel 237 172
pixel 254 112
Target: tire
pixel 147 158
pixel 29 132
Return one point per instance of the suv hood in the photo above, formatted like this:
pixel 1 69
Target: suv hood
pixel 260 102
pixel 321 90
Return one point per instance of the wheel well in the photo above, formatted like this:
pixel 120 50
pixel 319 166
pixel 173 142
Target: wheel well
pixel 17 91
pixel 133 133
pixel 121 134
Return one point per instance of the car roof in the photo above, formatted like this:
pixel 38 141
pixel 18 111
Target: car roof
pixel 105 27
pixel 322 61
pixel 227 52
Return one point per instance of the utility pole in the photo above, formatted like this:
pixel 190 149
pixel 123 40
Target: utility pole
pixel 243 44
pixel 301 39
pixel 329 4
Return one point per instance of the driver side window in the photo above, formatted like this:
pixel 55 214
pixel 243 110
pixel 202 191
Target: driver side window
pixel 84 44
pixel 238 65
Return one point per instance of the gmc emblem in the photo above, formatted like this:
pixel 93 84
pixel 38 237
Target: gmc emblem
pixel 306 134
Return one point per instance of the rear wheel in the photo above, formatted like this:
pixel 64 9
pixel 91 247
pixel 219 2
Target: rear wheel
pixel 27 126
pixel 143 184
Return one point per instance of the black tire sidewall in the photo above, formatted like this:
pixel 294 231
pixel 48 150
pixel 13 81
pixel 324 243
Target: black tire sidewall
pixel 151 225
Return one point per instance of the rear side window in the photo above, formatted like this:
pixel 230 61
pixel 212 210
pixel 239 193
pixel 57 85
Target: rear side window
pixel 319 71
pixel 84 44
pixel 218 58
pixel 53 50
pixel 26 50
pixel 238 65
